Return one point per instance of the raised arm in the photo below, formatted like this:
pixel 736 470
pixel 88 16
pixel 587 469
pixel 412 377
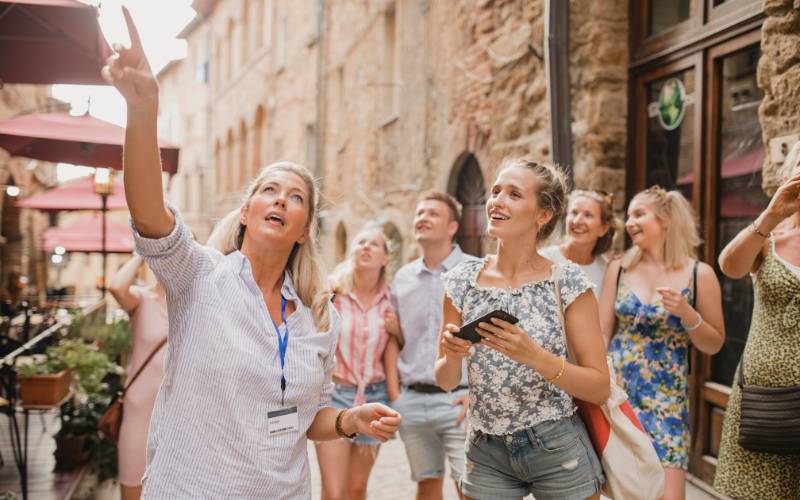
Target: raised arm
pixel 129 71
pixel 121 284
pixel 743 254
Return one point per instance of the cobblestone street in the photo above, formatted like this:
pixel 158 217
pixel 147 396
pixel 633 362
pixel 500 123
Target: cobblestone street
pixel 391 478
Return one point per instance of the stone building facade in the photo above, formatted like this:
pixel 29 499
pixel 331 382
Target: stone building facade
pixel 383 99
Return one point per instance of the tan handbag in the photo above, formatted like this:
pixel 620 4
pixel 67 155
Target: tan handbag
pixel 630 462
pixel 111 421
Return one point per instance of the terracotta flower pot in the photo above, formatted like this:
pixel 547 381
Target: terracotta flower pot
pixel 44 390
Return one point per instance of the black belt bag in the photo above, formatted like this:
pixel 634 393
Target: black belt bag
pixel 770 418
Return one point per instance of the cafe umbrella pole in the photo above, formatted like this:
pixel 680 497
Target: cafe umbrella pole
pixel 103 185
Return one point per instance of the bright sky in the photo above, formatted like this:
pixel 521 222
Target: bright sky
pixel 158 21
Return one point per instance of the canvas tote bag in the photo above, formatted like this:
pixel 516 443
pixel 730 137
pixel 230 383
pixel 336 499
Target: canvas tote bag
pixel 630 462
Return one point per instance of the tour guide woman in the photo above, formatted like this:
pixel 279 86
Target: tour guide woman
pixel 244 384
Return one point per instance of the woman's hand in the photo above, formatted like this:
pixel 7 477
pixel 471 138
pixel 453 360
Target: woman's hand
pixel 453 346
pixel 391 323
pixel 785 201
pixel 676 303
pixel 509 340
pixel 372 419
pixel 129 71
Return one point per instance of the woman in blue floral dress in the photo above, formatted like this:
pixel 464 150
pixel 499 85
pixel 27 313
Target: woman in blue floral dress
pixel 649 314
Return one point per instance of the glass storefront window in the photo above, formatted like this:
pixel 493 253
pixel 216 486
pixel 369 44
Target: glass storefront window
pixel 741 198
pixel 670 132
pixel 664 14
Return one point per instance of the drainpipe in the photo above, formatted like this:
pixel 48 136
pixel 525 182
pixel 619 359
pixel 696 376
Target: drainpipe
pixel 556 39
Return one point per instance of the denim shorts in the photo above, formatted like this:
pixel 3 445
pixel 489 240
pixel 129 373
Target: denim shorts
pixel 430 435
pixel 344 396
pixel 551 460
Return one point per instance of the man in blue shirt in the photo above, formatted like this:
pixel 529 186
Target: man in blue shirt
pixel 433 428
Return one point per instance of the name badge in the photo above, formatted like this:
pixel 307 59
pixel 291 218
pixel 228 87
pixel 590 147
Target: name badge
pixel 282 421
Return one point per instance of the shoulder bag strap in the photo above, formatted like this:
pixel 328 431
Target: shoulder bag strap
pixel 560 306
pixel 694 285
pixel 141 368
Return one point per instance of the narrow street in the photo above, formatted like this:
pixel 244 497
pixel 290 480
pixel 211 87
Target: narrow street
pixel 391 478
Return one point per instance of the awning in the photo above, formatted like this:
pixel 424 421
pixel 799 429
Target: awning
pixel 744 164
pixel 51 41
pixel 81 140
pixel 85 235
pixel 75 195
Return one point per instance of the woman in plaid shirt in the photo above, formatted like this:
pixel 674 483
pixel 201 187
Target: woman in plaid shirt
pixel 362 300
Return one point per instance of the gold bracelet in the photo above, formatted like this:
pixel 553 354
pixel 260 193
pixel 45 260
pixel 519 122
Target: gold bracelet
pixel 338 426
pixel 755 230
pixel 560 372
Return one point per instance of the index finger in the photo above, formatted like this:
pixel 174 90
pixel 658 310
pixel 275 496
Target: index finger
pixel 133 33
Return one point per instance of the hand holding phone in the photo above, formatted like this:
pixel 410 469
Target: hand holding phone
pixel 468 331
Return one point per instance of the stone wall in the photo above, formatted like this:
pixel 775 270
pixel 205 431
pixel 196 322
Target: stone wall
pixel 399 94
pixel 599 55
pixel 779 78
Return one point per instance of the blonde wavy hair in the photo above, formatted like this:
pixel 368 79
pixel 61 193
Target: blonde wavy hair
pixel 304 265
pixel 341 279
pixel 681 237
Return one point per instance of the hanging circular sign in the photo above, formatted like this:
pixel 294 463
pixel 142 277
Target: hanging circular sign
pixel 671 104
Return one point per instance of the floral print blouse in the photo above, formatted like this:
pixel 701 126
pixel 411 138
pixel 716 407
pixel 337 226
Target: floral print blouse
pixel 506 396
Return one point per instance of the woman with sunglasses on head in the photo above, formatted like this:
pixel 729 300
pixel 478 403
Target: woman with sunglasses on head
pixel 524 434
pixel 591 226
pixel 657 300
pixel 769 250
pixel 252 334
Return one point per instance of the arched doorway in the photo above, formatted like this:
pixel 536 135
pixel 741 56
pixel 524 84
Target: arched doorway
pixel 468 188
pixel 395 248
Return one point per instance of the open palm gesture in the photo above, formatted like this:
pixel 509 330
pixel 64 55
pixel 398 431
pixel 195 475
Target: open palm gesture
pixel 786 200
pixel 128 70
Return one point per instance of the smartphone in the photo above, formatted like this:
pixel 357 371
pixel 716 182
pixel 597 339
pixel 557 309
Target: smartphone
pixel 467 332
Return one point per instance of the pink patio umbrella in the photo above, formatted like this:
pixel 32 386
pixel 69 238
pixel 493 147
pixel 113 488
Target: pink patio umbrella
pixel 81 140
pixel 85 235
pixel 75 195
pixel 51 41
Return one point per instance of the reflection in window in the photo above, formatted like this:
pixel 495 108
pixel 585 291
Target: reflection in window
pixel 741 199
pixel 670 132
pixel 665 14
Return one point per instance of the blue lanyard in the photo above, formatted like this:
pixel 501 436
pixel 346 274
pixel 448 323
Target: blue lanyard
pixel 283 344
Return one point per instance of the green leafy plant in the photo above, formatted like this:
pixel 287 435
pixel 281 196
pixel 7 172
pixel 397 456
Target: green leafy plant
pixel 43 368
pixel 114 338
pixel 87 363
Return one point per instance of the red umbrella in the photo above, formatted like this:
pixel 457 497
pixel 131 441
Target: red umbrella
pixel 85 235
pixel 76 195
pixel 50 41
pixel 81 140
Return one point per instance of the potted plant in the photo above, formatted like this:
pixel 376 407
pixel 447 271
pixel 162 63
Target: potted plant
pixel 43 383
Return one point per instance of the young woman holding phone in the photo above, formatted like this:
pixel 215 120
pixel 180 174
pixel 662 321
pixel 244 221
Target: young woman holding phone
pixel 523 425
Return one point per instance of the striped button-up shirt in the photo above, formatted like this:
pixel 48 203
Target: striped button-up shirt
pixel 362 340
pixel 208 433
pixel 417 295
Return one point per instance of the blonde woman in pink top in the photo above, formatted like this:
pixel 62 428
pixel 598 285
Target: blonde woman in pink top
pixel 147 308
pixel 362 300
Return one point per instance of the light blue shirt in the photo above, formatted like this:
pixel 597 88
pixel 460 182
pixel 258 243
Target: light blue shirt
pixel 417 295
